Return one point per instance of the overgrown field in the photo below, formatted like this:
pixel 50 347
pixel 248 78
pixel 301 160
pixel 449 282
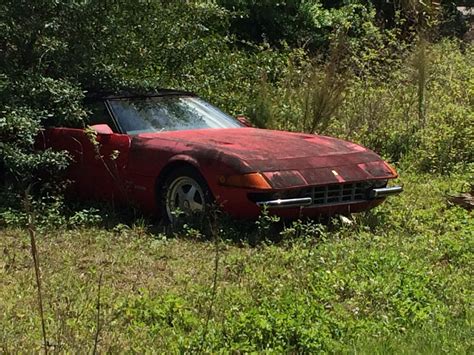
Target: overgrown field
pixel 399 280
pixel 394 76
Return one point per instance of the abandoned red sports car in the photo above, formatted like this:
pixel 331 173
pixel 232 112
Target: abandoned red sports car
pixel 173 151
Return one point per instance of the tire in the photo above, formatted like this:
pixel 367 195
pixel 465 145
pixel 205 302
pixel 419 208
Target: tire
pixel 184 193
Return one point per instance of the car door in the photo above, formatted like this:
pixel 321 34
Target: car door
pixel 107 167
pixel 99 156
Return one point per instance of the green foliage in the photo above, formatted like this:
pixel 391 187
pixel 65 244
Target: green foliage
pixel 384 114
pixel 18 130
pixel 265 221
pixel 296 22
pixel 49 212
pixel 304 231
pixel 154 313
pixel 311 23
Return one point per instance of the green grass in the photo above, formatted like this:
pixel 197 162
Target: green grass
pixel 400 280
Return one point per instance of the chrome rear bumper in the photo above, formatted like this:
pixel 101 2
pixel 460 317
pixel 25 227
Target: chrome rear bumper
pixel 309 202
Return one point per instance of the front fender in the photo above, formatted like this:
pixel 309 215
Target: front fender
pixel 184 159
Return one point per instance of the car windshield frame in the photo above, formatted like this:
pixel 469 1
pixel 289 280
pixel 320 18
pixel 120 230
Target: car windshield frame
pixel 165 113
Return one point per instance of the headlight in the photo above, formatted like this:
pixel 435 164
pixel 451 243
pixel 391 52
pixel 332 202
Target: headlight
pixel 378 169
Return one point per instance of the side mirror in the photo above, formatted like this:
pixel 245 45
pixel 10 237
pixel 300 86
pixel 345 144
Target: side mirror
pixel 102 129
pixel 244 120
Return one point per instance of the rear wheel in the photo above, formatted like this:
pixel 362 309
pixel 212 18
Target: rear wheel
pixel 184 193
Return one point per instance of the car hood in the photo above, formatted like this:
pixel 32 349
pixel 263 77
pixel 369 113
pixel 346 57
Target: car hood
pixel 260 144
pixel 280 153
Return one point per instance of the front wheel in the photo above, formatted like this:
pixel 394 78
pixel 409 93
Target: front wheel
pixel 184 192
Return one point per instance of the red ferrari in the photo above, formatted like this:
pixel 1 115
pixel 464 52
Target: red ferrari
pixel 173 151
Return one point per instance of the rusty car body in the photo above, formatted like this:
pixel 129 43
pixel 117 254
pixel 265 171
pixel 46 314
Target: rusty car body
pixel 172 150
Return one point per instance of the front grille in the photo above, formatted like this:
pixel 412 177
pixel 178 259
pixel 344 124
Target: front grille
pixel 337 193
pixel 323 195
pixel 333 194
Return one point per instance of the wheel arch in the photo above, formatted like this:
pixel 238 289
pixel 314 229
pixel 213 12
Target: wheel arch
pixel 174 163
pixel 167 171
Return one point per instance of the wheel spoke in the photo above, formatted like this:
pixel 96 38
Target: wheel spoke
pixel 191 194
pixel 182 196
pixel 195 206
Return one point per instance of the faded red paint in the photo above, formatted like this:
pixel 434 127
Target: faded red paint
pixel 287 160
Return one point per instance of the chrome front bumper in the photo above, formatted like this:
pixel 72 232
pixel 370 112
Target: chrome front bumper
pixel 385 191
pixel 308 201
pixel 287 202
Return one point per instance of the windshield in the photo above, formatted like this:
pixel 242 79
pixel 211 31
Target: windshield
pixel 168 113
